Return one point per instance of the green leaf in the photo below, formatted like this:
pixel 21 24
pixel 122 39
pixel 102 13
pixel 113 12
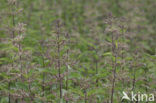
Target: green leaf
pixel 107 54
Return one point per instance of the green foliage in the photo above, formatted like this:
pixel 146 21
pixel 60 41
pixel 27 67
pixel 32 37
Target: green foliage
pixel 76 51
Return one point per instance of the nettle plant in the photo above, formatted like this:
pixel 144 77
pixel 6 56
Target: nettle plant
pixel 16 79
pixel 63 63
pixel 98 59
pixel 116 55
pixel 54 64
pixel 13 49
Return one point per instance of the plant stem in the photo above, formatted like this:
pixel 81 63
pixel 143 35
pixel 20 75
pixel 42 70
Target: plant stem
pixel 122 55
pixel 58 61
pixel 85 93
pixel 96 67
pixel 134 79
pixel 67 71
pixel 13 36
pixel 114 69
pixel 43 81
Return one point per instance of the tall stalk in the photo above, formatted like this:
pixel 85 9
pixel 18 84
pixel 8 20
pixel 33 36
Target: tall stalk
pixel 67 63
pixel 20 30
pixel 114 66
pixel 58 60
pixel 42 55
pixel 13 36
pixel 134 80
pixel 134 75
pixel 43 81
pixel 122 52
pixel 96 68
pixel 67 72
pixel 85 94
pixel 20 62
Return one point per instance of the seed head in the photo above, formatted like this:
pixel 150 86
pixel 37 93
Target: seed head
pixel 12 1
pixel 20 28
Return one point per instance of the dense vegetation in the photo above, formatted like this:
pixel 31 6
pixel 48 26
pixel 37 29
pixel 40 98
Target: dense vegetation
pixel 76 51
